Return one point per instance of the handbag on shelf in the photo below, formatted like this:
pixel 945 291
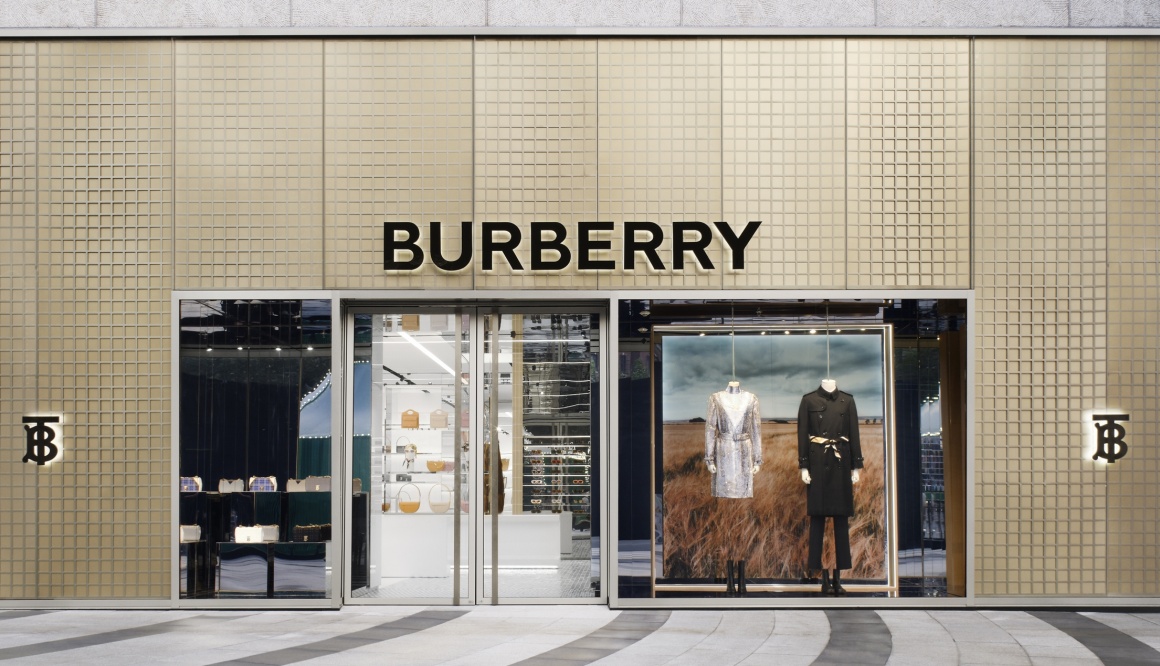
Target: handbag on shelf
pixel 263 484
pixel 317 484
pixel 410 419
pixel 191 484
pixel 310 533
pixel 438 419
pixel 231 486
pixel 190 533
pixel 439 498
pixel 435 465
pixel 255 533
pixel 295 486
pixel 410 322
pixel 403 448
pixel 356 487
pixel 409 504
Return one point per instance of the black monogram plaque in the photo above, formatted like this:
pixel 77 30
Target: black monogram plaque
pixel 1110 433
pixel 40 447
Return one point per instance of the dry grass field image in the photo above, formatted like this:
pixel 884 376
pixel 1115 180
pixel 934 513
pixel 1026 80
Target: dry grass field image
pixel 769 531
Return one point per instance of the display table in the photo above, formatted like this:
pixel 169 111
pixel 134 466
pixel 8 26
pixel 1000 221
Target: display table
pixel 420 545
pixel 272 569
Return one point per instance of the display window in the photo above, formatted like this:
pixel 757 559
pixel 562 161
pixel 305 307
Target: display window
pixel 254 489
pixel 767 443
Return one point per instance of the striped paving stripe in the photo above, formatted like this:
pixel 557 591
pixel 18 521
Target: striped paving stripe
pixel 17 614
pixel 1111 645
pixel 626 629
pixel 377 634
pixel 78 642
pixel 856 637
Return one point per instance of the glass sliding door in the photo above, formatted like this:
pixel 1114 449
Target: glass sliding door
pixel 540 426
pixel 411 422
pixel 475 445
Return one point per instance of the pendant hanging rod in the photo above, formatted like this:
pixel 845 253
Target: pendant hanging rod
pixel 828 375
pixel 733 338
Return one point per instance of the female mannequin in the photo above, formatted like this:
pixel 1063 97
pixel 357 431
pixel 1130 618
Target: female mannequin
pixel 733 454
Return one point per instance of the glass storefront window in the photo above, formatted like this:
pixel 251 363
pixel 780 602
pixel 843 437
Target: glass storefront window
pixel 255 449
pixel 722 405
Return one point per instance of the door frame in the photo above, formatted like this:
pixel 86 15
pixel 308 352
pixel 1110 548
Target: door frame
pixel 350 304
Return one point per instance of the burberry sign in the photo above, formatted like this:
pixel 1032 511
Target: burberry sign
pixel 552 246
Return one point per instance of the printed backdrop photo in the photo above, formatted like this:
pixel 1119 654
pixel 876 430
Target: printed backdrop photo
pixel 699 532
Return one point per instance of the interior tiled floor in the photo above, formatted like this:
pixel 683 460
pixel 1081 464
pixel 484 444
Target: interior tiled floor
pixel 572 579
pixel 357 635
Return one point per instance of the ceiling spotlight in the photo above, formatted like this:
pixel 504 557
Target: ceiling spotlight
pixel 813 330
pixel 209 348
pixel 239 349
pixel 277 349
pixel 642 329
pixel 310 349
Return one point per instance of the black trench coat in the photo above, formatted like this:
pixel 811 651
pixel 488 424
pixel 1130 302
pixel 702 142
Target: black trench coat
pixel 834 417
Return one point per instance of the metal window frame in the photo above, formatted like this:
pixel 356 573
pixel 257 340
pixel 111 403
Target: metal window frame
pixel 969 601
pixel 608 301
pixel 337 553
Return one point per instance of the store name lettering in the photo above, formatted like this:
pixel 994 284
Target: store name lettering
pixel 551 248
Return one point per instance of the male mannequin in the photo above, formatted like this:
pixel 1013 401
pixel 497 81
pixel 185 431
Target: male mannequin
pixel 830 457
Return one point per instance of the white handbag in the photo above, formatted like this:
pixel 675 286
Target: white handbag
pixel 255 533
pixel 295 486
pixel 231 486
pixel 190 533
pixel 317 484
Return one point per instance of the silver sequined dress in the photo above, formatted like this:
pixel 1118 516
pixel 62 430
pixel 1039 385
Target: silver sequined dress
pixel 733 442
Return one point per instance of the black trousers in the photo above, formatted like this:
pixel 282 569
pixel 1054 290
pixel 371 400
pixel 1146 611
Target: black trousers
pixel 841 541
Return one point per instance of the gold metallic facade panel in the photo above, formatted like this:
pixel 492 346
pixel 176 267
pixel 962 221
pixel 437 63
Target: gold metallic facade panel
pixel 535 147
pixel 784 159
pixel 398 148
pixel 1133 315
pixel 18 332
pixel 908 157
pixel 105 261
pixel 1040 267
pixel 660 150
pixel 249 163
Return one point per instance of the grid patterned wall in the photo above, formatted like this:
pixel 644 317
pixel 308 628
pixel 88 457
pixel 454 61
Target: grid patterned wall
pixel 398 148
pixel 783 127
pixel 1040 265
pixel 1133 312
pixel 908 156
pixel 660 149
pixel 535 146
pixel 100 142
pixel 249 164
pixel 18 332
pixel 104 253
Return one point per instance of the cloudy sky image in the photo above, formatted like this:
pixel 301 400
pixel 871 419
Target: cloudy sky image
pixel 779 369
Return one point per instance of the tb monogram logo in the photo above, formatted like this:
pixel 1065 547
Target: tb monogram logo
pixel 1110 443
pixel 40 436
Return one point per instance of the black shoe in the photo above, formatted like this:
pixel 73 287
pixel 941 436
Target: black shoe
pixel 730 581
pixel 741 591
pixel 839 591
pixel 826 589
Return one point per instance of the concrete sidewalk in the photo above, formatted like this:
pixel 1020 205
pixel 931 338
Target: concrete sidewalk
pixel 573 635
